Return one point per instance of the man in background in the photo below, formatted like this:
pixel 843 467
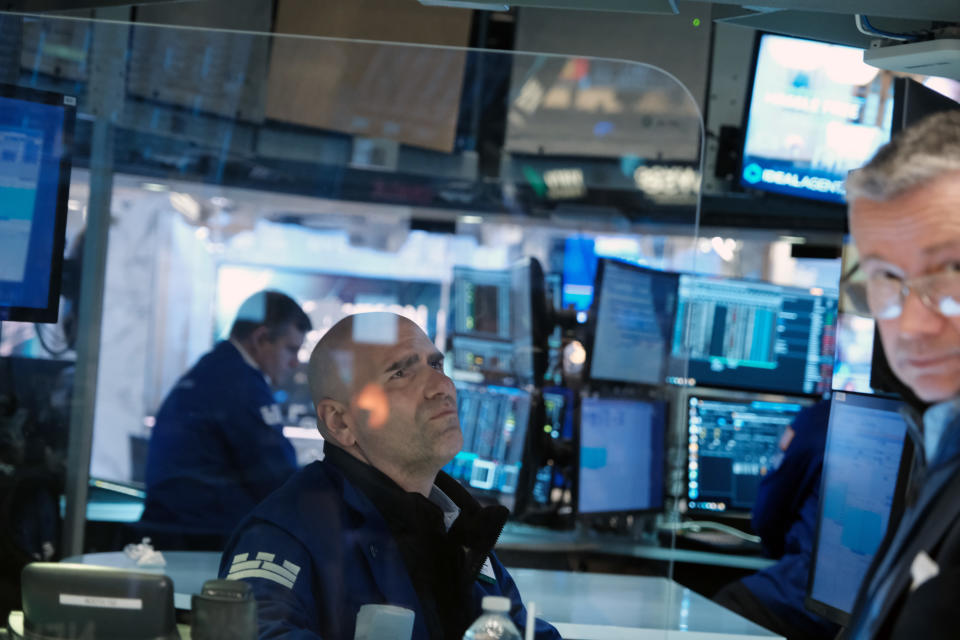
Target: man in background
pixel 217 448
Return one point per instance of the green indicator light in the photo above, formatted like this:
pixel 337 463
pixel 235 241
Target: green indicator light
pixel 696 22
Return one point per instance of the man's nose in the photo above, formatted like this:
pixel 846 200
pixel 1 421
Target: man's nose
pixel 440 385
pixel 917 318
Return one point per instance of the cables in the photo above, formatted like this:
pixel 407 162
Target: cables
pixel 867 29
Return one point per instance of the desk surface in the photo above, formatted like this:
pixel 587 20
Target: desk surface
pixel 519 537
pixel 590 606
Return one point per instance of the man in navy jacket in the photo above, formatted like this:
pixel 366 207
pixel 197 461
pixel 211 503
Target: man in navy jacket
pixel 217 448
pixel 376 522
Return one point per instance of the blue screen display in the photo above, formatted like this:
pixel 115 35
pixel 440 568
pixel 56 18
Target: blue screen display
pixel 753 335
pixel 816 112
pixel 635 312
pixel 734 443
pixel 31 148
pixel 621 456
pixel 860 467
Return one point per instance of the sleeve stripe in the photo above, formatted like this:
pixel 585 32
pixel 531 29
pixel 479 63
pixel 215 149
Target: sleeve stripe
pixel 292 568
pixel 270 566
pixel 260 573
pixel 266 556
pixel 241 557
pixel 241 566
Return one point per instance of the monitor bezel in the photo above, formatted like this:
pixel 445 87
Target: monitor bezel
pixel 680 433
pixel 899 491
pixel 50 313
pixel 664 471
pixel 607 384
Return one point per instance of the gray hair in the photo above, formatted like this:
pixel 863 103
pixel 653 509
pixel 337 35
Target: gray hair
pixel 915 156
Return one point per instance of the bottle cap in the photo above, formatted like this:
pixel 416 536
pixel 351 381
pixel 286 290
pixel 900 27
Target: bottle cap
pixel 498 604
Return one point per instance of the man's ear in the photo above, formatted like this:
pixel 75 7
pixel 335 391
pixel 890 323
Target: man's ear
pixel 260 335
pixel 337 422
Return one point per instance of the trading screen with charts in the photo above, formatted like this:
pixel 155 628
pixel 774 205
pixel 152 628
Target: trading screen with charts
pixel 733 443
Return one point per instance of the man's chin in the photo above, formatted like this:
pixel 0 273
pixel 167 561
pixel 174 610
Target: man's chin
pixel 933 391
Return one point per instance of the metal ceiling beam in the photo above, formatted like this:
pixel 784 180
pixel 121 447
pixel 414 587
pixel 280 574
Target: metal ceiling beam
pixel 47 6
pixel 942 10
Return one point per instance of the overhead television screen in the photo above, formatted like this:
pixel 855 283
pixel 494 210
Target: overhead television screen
pixel 816 111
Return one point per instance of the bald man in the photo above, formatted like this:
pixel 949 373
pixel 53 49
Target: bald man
pixel 377 521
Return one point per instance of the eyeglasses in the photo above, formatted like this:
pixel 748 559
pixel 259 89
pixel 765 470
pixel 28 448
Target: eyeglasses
pixel 882 294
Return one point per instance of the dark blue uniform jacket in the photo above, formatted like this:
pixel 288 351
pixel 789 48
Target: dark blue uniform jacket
pixel 217 448
pixel 785 518
pixel 317 550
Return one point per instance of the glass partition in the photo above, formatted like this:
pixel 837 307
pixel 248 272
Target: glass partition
pixel 534 216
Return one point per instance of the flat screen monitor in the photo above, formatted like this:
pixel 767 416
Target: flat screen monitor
pixel 36 136
pixel 481 303
pixel 494 422
pixel 621 456
pixel 69 601
pixel 733 442
pixel 816 111
pixel 914 101
pixel 635 310
pixel 861 479
pixel 757 336
pixel 494 328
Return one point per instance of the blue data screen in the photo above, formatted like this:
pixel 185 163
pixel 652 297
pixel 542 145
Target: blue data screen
pixel 31 146
pixel 621 456
pixel 864 445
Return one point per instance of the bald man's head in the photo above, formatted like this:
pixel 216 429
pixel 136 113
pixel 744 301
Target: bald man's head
pixel 343 357
pixel 381 394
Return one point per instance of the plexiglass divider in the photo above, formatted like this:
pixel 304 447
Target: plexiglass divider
pixel 357 176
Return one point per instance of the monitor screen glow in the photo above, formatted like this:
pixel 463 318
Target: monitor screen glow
pixel 816 112
pixel 860 473
pixel 621 456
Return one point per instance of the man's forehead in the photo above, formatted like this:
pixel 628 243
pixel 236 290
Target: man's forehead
pixel 919 224
pixel 407 338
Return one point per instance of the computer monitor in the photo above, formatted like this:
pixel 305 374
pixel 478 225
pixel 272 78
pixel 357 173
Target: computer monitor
pixel 733 439
pixel 742 334
pixel 863 471
pixel 36 138
pixel 634 313
pixel 815 112
pixel 496 325
pixel 912 102
pixel 72 601
pixel 494 423
pixel 481 303
pixel 621 454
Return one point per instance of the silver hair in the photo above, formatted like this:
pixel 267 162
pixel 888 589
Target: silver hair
pixel 917 155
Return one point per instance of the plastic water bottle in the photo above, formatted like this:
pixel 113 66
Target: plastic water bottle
pixel 493 623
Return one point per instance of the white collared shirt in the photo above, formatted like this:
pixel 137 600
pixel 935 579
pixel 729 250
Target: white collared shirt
pixel 450 509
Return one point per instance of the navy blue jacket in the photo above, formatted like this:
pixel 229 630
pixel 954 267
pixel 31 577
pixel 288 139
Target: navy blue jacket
pixel 317 550
pixel 217 447
pixel 785 518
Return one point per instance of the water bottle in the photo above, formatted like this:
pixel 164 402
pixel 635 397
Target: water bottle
pixel 493 623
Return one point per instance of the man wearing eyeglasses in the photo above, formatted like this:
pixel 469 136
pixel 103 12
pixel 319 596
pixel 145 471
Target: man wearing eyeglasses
pixel 904 210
